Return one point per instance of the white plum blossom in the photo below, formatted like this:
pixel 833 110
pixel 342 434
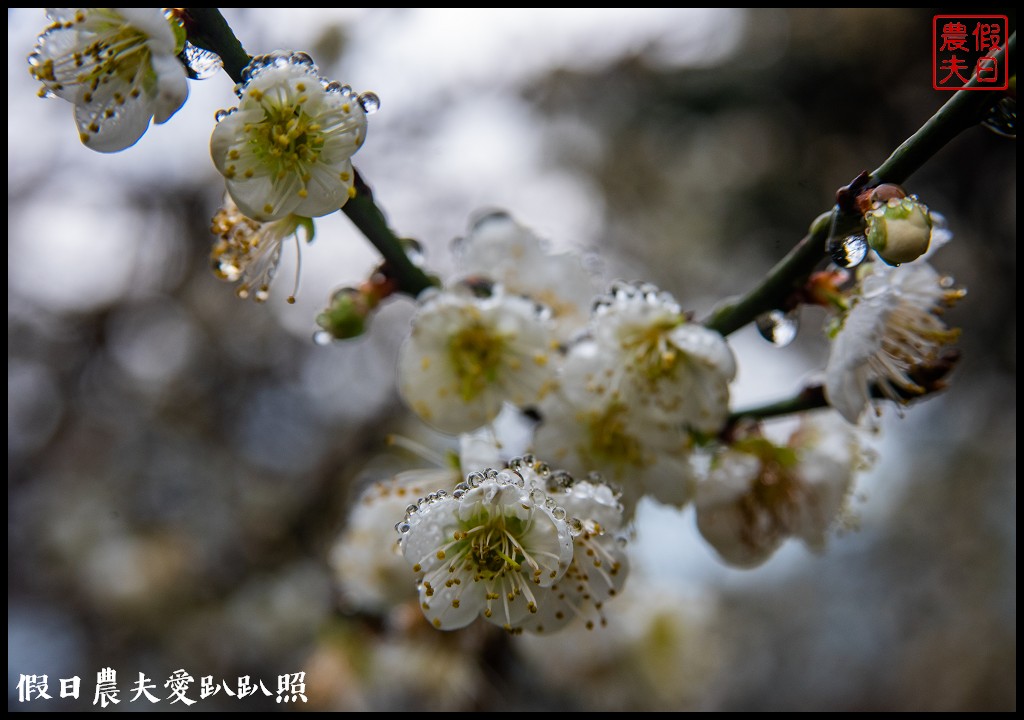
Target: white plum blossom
pixel 119 68
pixel 656 360
pixel 892 327
pixel 491 548
pixel 757 494
pixel 499 248
pixel 470 350
pixel 286 148
pixel 371 572
pixel 249 251
pixel 587 427
pixel 599 565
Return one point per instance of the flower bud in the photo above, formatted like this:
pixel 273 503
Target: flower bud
pixel 899 230
pixel 347 316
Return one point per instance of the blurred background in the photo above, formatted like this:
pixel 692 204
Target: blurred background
pixel 180 462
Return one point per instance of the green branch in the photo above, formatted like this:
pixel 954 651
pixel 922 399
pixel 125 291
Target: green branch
pixel 208 29
pixel 929 378
pixel 962 111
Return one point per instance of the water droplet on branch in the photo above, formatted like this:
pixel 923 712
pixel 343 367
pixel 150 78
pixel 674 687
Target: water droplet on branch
pixel 849 251
pixel 778 327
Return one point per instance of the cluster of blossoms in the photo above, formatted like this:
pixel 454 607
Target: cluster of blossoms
pixel 637 392
pixel 285 151
pixel 625 386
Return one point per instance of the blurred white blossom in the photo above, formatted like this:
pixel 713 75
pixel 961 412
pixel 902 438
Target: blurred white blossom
pixel 588 428
pixel 470 350
pixel 499 248
pixel 654 359
pixel 757 494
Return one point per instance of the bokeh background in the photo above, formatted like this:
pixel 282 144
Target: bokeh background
pixel 180 462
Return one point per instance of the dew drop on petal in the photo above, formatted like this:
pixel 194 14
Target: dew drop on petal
pixel 370 102
pixel 849 251
pixel 301 58
pixel 777 327
pixel 403 527
pixel 322 337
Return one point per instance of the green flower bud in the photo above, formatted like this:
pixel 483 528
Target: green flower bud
pixel 900 230
pixel 347 315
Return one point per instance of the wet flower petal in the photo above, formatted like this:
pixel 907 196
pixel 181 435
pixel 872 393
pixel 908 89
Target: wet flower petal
pixel 118 66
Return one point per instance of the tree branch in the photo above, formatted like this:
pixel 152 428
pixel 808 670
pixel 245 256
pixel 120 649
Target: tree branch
pixel 963 110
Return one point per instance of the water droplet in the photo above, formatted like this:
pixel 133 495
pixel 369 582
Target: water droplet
pixel 542 469
pixel 537 495
pixel 558 513
pixel 474 479
pixel 411 509
pixel 414 251
pixel 370 102
pixel 1002 118
pixel 850 251
pixel 490 216
pixel 203 63
pixel 562 479
pixel 779 328
pixel 403 527
pixel 462 486
pixel 322 337
pixel 946 281
pixel 333 86
pixel 221 114
pixel 621 541
pixel 458 494
pixel 301 58
pixel 575 527
pixel 515 464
